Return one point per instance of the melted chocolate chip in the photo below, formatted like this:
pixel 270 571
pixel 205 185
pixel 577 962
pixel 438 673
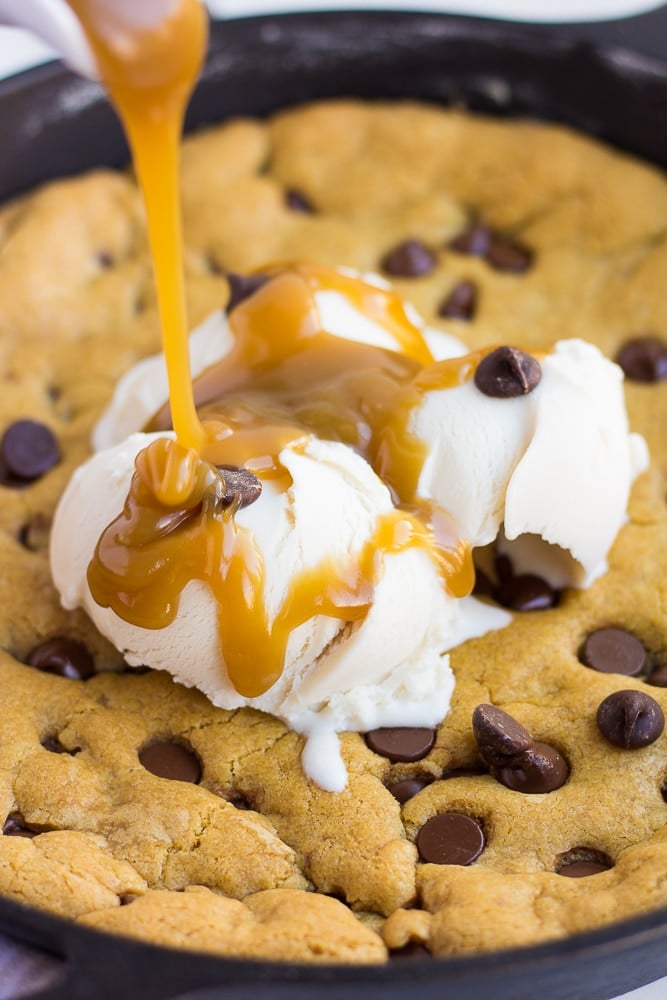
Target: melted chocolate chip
pixel 297 201
pixel 508 255
pixel 14 826
pixel 474 241
pixel 401 744
pixel 411 259
pixel 451 839
pixel 500 738
pixel 28 449
pixel 484 585
pixel 644 359
pixel 242 286
pixel 630 719
pixel 414 949
pixel 461 303
pixel 173 761
pixel 506 373
pixel 613 651
pixel 408 788
pixel 63 657
pixel 238 486
pixel 536 771
pixel 581 862
pixel 527 592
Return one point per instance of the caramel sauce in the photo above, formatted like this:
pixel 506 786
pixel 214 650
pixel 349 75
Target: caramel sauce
pixel 285 378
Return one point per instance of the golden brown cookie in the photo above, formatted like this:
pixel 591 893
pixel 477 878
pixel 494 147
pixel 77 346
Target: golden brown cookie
pixel 236 852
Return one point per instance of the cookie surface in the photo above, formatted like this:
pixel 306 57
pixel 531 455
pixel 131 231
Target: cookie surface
pixel 238 853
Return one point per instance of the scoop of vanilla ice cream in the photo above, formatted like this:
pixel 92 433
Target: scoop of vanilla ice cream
pixel 330 511
pixel 553 468
pixel 141 392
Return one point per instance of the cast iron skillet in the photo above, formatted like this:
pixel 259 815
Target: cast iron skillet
pixel 53 124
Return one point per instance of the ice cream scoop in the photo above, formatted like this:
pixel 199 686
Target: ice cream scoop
pixel 387 668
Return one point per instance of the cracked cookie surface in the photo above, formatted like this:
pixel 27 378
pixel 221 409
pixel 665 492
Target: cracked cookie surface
pixel 251 858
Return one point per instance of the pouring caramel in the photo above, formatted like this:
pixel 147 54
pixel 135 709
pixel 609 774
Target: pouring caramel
pixel 285 379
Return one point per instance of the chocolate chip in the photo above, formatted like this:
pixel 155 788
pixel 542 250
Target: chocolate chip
pixel 105 259
pixel 503 567
pixel 536 771
pixel 64 657
pixel 401 745
pixel 411 259
pixel 53 745
pixel 414 949
pixel 126 898
pixel 242 286
pixel 173 761
pixel 408 788
pixel 643 359
pixel 527 592
pixel 28 449
pixel 297 201
pixel 613 651
pixel 500 738
pixel 630 719
pixel 237 485
pixel 484 585
pixel 506 373
pixel 508 255
pixel 34 535
pixel 474 241
pixel 658 678
pixel 451 839
pixel 581 862
pixel 15 826
pixel 461 303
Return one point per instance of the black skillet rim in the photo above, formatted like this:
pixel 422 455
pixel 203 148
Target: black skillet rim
pixel 597 964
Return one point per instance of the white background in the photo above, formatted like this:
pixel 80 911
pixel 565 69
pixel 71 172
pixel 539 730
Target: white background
pixel 18 51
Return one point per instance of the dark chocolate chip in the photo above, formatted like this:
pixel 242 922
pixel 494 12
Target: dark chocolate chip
pixel 461 303
pixel 34 535
pixel 450 839
pixel 630 719
pixel 581 869
pixel 644 359
pixel 64 657
pixel 581 862
pixel 539 770
pixel 105 259
pixel 484 585
pixel 28 449
pixel 613 651
pixel 242 286
pixel 527 592
pixel 14 826
pixel 408 788
pixel 414 949
pixel 503 567
pixel 53 745
pixel 297 201
pixel 658 678
pixel 239 486
pixel 401 744
pixel 506 373
pixel 474 241
pixel 500 738
pixel 508 255
pixel 411 259
pixel 171 760
pixel 126 898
